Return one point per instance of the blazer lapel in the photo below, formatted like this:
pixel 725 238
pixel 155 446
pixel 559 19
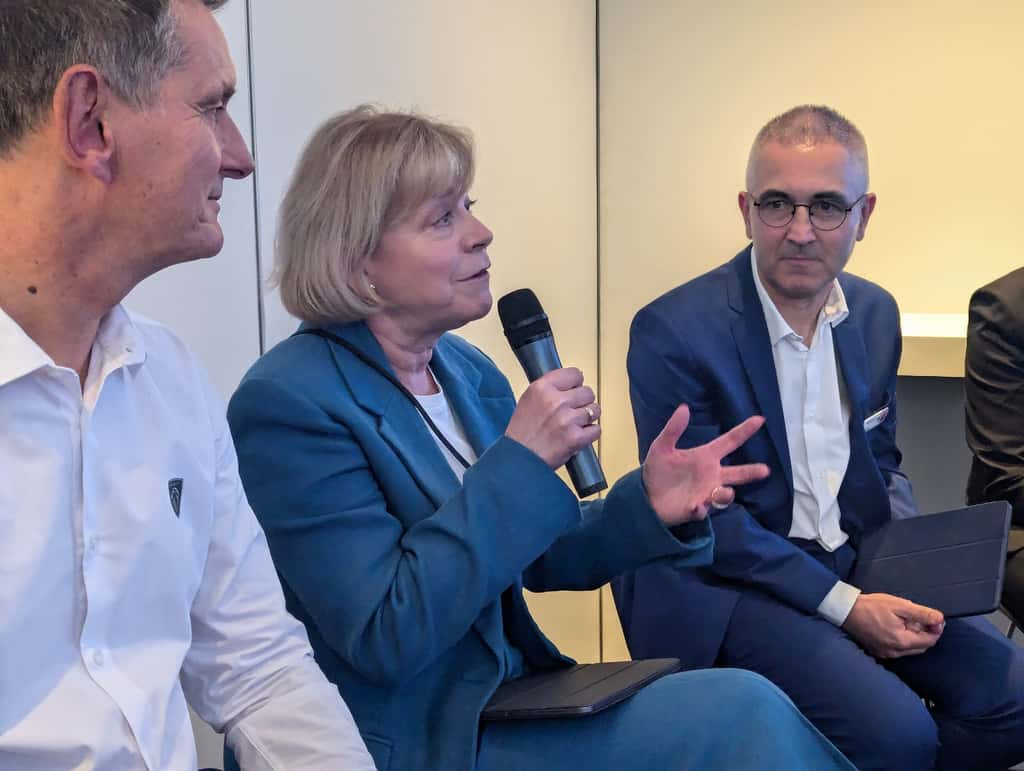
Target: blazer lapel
pixel 863 499
pixel 399 423
pixel 750 332
pixel 853 363
pixel 483 417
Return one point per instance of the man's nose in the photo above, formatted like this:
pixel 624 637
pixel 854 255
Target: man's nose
pixel 236 160
pixel 801 231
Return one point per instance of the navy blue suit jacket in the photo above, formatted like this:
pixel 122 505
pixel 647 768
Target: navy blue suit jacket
pixel 407 581
pixel 706 344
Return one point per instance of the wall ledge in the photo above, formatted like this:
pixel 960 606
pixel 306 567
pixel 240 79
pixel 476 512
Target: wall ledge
pixel 934 344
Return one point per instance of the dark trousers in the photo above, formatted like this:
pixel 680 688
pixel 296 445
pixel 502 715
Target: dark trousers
pixel 872 709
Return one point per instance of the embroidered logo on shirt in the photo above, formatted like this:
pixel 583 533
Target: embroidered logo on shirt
pixel 174 491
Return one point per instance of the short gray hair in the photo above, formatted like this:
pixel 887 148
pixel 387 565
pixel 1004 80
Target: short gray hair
pixel 811 124
pixel 131 43
pixel 363 171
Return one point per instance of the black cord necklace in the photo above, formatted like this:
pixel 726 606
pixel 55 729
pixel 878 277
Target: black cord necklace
pixel 333 338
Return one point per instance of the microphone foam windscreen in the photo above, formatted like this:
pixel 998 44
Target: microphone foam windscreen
pixel 522 317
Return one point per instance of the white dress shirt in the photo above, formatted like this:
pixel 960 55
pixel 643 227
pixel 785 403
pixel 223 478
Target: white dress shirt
pixel 133 574
pixel 817 416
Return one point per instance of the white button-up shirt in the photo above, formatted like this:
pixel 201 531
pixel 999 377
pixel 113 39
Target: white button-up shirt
pixel 817 416
pixel 133 574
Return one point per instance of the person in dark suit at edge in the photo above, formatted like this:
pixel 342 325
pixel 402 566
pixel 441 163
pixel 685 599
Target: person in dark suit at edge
pixel 994 393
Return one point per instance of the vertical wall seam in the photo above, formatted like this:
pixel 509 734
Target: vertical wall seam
pixel 597 262
pixel 250 67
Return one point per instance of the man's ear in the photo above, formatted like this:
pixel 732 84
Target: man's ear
pixel 80 106
pixel 744 201
pixel 867 206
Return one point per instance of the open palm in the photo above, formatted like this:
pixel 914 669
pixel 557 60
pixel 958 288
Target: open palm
pixel 680 483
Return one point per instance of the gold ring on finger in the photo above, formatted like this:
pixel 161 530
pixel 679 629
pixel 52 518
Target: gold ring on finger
pixel 715 504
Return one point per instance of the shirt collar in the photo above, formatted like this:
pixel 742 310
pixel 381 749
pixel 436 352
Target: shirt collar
pixel 120 338
pixel 834 311
pixel 20 355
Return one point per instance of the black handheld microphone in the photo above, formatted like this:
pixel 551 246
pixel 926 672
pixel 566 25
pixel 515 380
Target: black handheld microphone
pixel 529 333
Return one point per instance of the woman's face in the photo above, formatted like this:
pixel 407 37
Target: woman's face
pixel 431 269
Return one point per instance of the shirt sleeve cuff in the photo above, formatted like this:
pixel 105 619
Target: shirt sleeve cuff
pixel 838 602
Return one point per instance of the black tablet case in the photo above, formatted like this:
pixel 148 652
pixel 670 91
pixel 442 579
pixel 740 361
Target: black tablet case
pixel 583 689
pixel 952 561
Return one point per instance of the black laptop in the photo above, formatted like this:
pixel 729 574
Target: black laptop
pixel 952 561
pixel 583 689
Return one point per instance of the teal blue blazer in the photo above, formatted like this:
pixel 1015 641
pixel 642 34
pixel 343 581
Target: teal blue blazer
pixel 409 582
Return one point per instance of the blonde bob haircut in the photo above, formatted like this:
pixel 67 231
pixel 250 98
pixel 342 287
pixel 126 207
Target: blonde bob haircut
pixel 363 171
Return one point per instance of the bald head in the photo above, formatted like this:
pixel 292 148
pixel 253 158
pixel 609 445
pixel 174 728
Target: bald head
pixel 806 126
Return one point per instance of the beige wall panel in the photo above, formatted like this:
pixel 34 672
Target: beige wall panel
pixel 684 86
pixel 521 76
pixel 613 642
pixel 570 619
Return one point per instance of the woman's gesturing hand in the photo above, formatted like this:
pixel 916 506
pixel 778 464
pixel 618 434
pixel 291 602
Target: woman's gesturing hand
pixel 683 484
pixel 556 416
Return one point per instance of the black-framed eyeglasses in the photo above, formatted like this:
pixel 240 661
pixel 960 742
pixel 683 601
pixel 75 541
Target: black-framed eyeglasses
pixel 777 211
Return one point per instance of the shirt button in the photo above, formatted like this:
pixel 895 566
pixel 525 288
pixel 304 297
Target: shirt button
pixel 93 543
pixel 98 658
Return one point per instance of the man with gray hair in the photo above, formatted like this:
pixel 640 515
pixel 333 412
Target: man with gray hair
pixel 782 330
pixel 135 576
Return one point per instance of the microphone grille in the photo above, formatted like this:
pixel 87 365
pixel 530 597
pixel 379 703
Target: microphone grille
pixel 522 317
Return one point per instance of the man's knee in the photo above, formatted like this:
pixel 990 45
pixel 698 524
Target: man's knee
pixel 995 718
pixel 988 708
pixel 1011 721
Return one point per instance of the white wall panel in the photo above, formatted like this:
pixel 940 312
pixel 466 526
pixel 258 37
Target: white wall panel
pixel 685 85
pixel 521 76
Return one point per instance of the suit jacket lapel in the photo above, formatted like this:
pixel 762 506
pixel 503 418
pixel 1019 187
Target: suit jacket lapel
pixel 853 364
pixel 750 332
pixel 399 423
pixel 863 496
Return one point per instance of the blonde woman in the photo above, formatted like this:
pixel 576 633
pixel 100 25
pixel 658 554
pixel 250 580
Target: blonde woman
pixel 408 498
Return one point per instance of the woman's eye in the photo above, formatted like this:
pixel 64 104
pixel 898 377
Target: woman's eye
pixel 444 219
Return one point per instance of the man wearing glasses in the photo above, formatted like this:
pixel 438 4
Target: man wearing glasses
pixel 782 331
